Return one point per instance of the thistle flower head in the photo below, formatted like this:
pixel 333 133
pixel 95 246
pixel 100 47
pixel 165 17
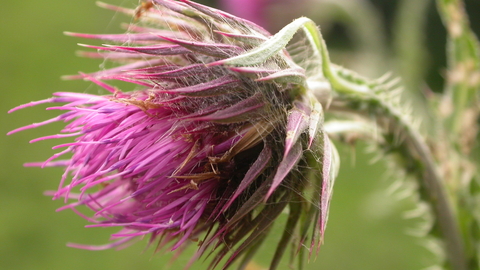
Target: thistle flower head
pixel 206 144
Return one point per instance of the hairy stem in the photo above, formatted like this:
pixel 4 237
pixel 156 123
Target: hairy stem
pixel 463 55
pixel 374 99
pixel 369 98
pixel 418 160
pixel 460 111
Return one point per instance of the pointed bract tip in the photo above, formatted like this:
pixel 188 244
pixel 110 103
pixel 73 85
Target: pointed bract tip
pixel 70 77
pixel 102 4
pixel 216 63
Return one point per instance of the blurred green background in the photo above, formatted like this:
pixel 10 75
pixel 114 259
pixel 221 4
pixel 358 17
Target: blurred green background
pixel 367 228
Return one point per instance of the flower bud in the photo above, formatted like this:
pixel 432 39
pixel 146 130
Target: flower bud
pixel 201 146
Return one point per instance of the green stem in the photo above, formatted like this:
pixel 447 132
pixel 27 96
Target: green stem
pixel 363 98
pixel 463 56
pixel 412 147
pixel 375 99
pixel 460 120
pixel 411 54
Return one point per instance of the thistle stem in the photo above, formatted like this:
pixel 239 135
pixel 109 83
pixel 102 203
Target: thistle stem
pixel 434 186
pixel 413 147
pixel 414 150
pixel 463 56
pixel 360 96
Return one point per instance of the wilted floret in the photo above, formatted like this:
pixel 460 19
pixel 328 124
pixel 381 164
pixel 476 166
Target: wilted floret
pixel 203 147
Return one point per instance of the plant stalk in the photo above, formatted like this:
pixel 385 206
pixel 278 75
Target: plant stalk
pixel 374 99
pixel 412 147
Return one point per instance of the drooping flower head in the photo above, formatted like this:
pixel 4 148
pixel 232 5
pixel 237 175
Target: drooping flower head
pixel 202 146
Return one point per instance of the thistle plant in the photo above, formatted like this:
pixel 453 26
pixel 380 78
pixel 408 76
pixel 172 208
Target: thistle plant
pixel 223 131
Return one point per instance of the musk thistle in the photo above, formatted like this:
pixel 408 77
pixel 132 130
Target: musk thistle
pixel 219 136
